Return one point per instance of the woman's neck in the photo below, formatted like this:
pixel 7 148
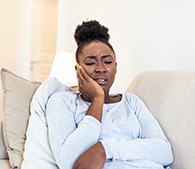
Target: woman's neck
pixel 107 99
pixel 112 99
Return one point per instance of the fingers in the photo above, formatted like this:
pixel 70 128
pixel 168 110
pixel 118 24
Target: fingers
pixel 81 73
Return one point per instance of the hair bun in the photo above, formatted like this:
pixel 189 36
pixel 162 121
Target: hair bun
pixel 89 31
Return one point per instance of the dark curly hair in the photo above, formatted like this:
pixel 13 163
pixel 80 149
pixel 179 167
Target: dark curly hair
pixel 90 31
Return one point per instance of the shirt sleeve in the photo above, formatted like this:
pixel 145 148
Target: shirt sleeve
pixel 152 143
pixel 68 141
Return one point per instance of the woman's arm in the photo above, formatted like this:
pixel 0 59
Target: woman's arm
pixel 151 145
pixel 68 141
pixel 93 158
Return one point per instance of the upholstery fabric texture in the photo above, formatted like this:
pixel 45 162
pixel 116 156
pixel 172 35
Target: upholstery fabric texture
pixel 17 95
pixel 170 95
pixel 4 164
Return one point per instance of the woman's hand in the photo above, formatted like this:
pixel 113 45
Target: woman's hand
pixel 92 92
pixel 93 158
pixel 89 88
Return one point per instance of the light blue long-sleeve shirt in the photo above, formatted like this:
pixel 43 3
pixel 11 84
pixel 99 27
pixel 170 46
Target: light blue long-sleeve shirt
pixel 130 135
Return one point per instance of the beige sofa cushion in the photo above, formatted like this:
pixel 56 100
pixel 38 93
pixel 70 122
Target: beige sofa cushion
pixel 17 94
pixel 4 164
pixel 170 95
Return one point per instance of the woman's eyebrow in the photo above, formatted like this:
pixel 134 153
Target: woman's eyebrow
pixel 90 57
pixel 105 56
pixel 95 56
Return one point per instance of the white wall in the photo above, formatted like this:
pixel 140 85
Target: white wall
pixel 9 36
pixel 27 37
pixel 146 35
pixel 43 43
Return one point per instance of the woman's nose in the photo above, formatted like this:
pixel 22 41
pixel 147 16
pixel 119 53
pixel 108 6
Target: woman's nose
pixel 100 68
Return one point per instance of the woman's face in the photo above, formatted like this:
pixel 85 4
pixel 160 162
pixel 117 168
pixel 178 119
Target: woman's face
pixel 99 62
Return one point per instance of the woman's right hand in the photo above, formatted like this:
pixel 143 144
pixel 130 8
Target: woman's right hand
pixel 89 88
pixel 92 92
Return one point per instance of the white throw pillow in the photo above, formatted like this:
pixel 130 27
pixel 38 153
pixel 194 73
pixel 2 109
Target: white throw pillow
pixel 63 68
pixel 37 152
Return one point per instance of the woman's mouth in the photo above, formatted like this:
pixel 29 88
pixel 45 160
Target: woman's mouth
pixel 101 81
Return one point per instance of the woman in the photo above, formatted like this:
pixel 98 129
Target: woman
pixel 96 129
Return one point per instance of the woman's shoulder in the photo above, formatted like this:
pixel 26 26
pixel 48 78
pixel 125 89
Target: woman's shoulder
pixel 133 100
pixel 65 96
pixel 130 96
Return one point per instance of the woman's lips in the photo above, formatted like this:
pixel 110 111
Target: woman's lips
pixel 101 81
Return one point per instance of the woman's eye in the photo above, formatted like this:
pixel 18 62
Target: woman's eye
pixel 108 62
pixel 90 63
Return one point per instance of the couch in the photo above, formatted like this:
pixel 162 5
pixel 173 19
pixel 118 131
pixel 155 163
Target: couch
pixel 170 95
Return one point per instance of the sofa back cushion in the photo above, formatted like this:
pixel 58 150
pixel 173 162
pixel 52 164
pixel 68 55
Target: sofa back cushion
pixel 170 95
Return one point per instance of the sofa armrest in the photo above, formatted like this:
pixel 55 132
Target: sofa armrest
pixel 3 153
